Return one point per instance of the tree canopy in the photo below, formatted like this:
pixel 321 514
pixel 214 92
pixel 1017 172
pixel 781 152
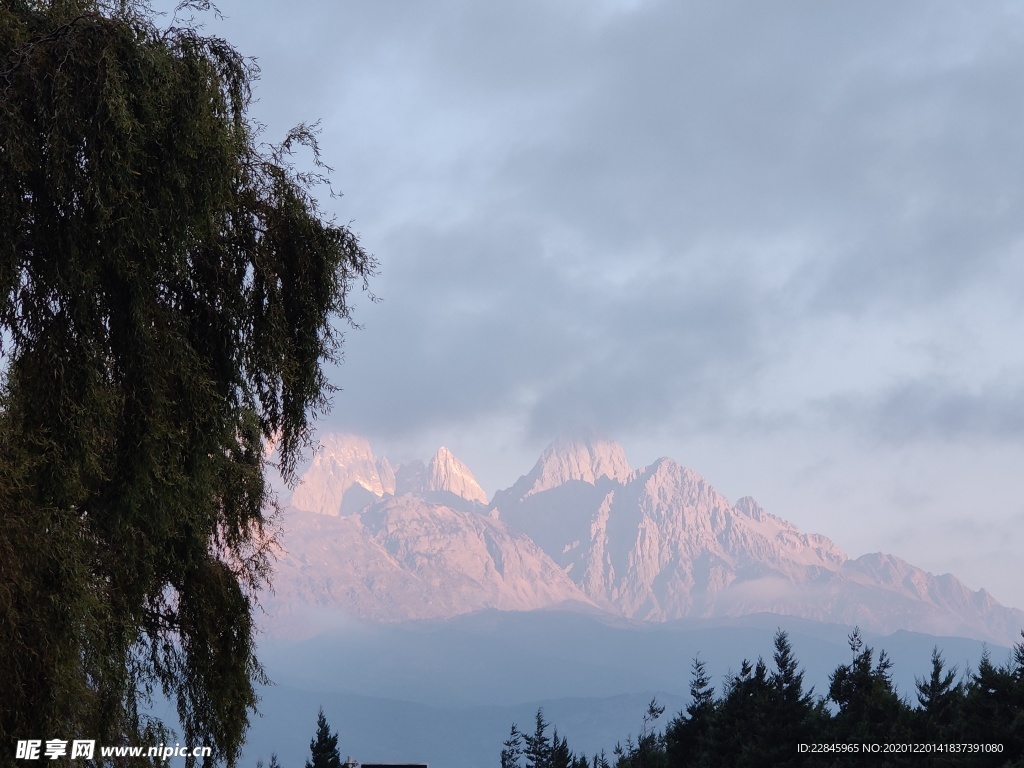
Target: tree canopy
pixel 170 295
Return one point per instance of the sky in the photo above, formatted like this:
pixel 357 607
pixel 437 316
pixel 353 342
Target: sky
pixel 781 243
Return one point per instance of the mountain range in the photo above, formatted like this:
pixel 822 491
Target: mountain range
pixel 370 540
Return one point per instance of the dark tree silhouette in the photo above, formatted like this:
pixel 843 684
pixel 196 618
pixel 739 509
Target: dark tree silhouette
pixel 689 734
pixel 512 748
pixel 869 708
pixel 941 699
pixel 538 745
pixel 762 717
pixel 323 747
pixel 168 298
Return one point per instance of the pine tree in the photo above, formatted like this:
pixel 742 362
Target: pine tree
pixel 626 755
pixel 940 698
pixel 688 736
pixel 1015 736
pixel 787 680
pixel 324 746
pixel 992 709
pixel 561 755
pixel 512 748
pixel 650 748
pixel 791 714
pixel 869 708
pixel 538 746
pixel 744 709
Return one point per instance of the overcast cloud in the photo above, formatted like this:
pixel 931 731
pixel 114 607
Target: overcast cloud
pixel 779 242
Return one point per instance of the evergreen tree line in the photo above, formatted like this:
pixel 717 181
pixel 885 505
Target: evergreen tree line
pixel 762 715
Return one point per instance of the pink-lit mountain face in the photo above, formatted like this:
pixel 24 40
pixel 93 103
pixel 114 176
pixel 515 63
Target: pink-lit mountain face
pixel 583 529
pixel 345 476
pixel 372 541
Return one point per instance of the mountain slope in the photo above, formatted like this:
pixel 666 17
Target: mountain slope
pixel 402 558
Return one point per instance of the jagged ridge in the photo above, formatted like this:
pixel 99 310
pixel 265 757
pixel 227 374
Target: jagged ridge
pixel 653 544
pixel 345 476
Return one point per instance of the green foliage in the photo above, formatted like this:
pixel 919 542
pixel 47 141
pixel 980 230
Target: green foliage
pixel 324 746
pixel 167 292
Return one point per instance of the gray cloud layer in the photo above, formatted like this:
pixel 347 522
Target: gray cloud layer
pixel 621 217
pixel 796 223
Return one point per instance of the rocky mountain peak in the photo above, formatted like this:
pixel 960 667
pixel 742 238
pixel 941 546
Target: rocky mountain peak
pixel 343 448
pixel 345 475
pixel 581 457
pixel 747 506
pixel 342 463
pixel 447 473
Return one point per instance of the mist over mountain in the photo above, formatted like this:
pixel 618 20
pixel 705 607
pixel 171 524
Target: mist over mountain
pixel 582 528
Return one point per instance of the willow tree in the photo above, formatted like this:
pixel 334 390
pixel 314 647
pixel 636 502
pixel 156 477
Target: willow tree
pixel 170 294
